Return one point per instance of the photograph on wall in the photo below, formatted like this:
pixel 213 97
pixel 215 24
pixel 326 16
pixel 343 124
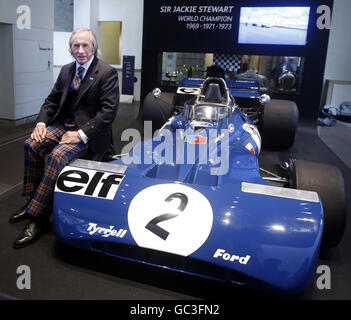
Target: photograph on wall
pixel 274 25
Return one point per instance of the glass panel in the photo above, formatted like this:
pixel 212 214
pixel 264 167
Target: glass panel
pixel 209 112
pixel 273 73
pixel 63 15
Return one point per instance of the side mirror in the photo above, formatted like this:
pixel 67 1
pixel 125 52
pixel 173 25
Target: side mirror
pixel 157 92
pixel 264 99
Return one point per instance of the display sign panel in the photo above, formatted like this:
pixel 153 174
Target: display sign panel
pixel 128 75
pixel 274 25
pixel 294 33
pixel 218 17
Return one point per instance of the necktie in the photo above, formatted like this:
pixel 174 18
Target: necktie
pixel 78 77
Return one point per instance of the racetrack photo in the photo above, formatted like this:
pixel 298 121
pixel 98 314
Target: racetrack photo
pixel 265 34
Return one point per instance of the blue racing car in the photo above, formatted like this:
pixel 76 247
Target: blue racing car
pixel 194 198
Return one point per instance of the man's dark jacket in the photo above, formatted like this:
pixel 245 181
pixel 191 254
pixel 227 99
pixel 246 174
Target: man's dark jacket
pixel 95 107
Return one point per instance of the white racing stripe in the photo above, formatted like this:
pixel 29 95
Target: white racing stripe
pixel 96 165
pixel 255 134
pixel 287 193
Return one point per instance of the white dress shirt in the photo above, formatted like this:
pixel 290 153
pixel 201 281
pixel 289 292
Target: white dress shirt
pixel 85 66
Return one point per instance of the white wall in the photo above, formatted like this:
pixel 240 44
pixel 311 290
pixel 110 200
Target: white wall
pixel 131 15
pixel 88 13
pixel 32 74
pixel 338 64
pixel 61 53
pixel 82 14
pixel 33 67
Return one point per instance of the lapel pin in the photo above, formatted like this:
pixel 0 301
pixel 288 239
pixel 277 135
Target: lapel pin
pixel 91 78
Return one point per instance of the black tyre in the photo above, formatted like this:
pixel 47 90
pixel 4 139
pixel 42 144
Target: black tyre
pixel 328 182
pixel 158 110
pixel 278 124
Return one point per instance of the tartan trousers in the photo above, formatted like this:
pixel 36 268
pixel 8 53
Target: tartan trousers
pixel 39 180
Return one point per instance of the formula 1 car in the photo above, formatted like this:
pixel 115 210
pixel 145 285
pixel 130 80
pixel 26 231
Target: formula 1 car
pixel 194 199
pixel 277 116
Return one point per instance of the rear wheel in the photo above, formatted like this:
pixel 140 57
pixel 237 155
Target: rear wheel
pixel 278 124
pixel 328 182
pixel 158 110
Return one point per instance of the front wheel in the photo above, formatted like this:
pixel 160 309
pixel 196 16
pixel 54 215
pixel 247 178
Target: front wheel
pixel 278 124
pixel 158 109
pixel 328 182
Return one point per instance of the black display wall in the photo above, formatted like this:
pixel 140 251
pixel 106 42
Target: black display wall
pixel 164 32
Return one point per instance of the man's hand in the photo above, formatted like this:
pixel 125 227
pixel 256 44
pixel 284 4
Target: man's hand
pixel 39 133
pixel 70 137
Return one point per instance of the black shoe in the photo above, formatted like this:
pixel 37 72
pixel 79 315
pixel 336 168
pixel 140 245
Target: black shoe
pixel 20 214
pixel 30 233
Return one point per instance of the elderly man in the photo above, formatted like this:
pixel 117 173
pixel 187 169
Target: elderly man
pixel 75 118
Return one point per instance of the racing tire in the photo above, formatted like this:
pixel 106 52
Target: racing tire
pixel 328 182
pixel 158 110
pixel 278 124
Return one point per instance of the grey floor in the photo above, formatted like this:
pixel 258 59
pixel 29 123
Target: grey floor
pixel 338 139
pixel 66 273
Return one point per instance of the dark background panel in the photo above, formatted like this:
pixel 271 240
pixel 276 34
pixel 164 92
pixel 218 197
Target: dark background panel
pixel 163 32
